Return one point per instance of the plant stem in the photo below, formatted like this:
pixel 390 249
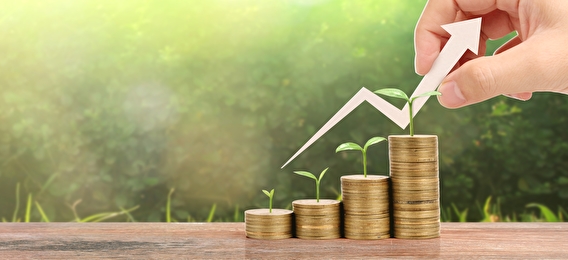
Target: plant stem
pixel 365 163
pixel 17 203
pixel 317 191
pixel 270 205
pixel 411 118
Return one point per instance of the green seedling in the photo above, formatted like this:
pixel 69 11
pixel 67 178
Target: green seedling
pixel 354 146
pixel 270 196
pixel 318 180
pixel 397 93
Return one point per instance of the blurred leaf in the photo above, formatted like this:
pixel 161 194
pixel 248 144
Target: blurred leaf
pixel 545 211
pixel 322 174
pixel 392 92
pixel 306 174
pixel 348 146
pixel 373 141
pixel 427 94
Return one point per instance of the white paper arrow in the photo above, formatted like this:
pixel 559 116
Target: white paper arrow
pixel 464 36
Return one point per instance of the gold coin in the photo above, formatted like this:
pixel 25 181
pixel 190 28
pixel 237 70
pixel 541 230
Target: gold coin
pixel 262 221
pixel 261 224
pixel 366 236
pixel 318 231
pixel 415 181
pixel 425 235
pixel 314 208
pixel 422 196
pixel 417 226
pixel 361 179
pixel 262 235
pixel 417 149
pixel 417 214
pixel 412 141
pixel 413 221
pixel 415 207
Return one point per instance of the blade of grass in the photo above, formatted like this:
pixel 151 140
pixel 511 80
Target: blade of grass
pixel 212 213
pixel 127 213
pixel 168 206
pixel 562 213
pixel 544 211
pixel 15 215
pixel 444 215
pixel 43 216
pixel 486 208
pixel 48 182
pixel 462 215
pixel 28 208
pixel 106 215
pixel 237 215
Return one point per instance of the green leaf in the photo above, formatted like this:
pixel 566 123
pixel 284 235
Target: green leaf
pixel 348 146
pixel 427 94
pixel 392 92
pixel 211 213
pixel 267 193
pixel 372 141
pixel 306 174
pixel 322 174
pixel 545 211
pixel 272 193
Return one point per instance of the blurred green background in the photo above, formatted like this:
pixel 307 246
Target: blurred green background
pixel 109 105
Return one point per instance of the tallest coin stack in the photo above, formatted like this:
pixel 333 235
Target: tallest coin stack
pixel 415 185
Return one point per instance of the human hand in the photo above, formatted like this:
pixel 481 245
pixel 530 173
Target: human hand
pixel 535 60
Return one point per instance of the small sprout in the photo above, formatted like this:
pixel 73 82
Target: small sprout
pixel 397 93
pixel 270 196
pixel 318 180
pixel 354 146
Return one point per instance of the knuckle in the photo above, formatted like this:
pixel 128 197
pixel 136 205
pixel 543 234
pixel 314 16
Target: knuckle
pixel 484 79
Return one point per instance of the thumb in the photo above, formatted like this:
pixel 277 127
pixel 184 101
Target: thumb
pixel 513 71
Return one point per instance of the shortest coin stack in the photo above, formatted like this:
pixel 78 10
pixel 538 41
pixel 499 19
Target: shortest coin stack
pixel 262 224
pixel 317 220
pixel 366 206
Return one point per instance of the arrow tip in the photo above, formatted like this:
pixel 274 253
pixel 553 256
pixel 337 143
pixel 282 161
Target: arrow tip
pixel 467 32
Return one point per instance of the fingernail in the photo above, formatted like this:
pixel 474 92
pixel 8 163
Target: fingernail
pixel 519 96
pixel 451 95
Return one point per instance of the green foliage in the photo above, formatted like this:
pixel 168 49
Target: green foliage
pixel 44 218
pixel 462 215
pixel 211 213
pixel 270 196
pixel 117 102
pixel 546 213
pixel 397 93
pixel 169 205
pixel 353 146
pixel 318 180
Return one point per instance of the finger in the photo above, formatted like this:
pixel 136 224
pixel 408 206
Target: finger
pixel 487 77
pixel 428 32
pixel 520 96
pixel 508 45
pixel 524 96
pixel 497 24
pixel 429 35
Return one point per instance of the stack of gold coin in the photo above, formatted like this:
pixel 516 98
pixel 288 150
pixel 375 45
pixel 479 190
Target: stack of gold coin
pixel 317 220
pixel 366 206
pixel 263 224
pixel 415 186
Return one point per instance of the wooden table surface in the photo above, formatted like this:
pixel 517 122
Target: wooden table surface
pixel 228 241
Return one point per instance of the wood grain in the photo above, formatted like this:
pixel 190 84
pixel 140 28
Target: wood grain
pixel 228 241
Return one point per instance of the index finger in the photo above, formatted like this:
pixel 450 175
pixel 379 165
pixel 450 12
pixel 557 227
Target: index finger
pixel 429 35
